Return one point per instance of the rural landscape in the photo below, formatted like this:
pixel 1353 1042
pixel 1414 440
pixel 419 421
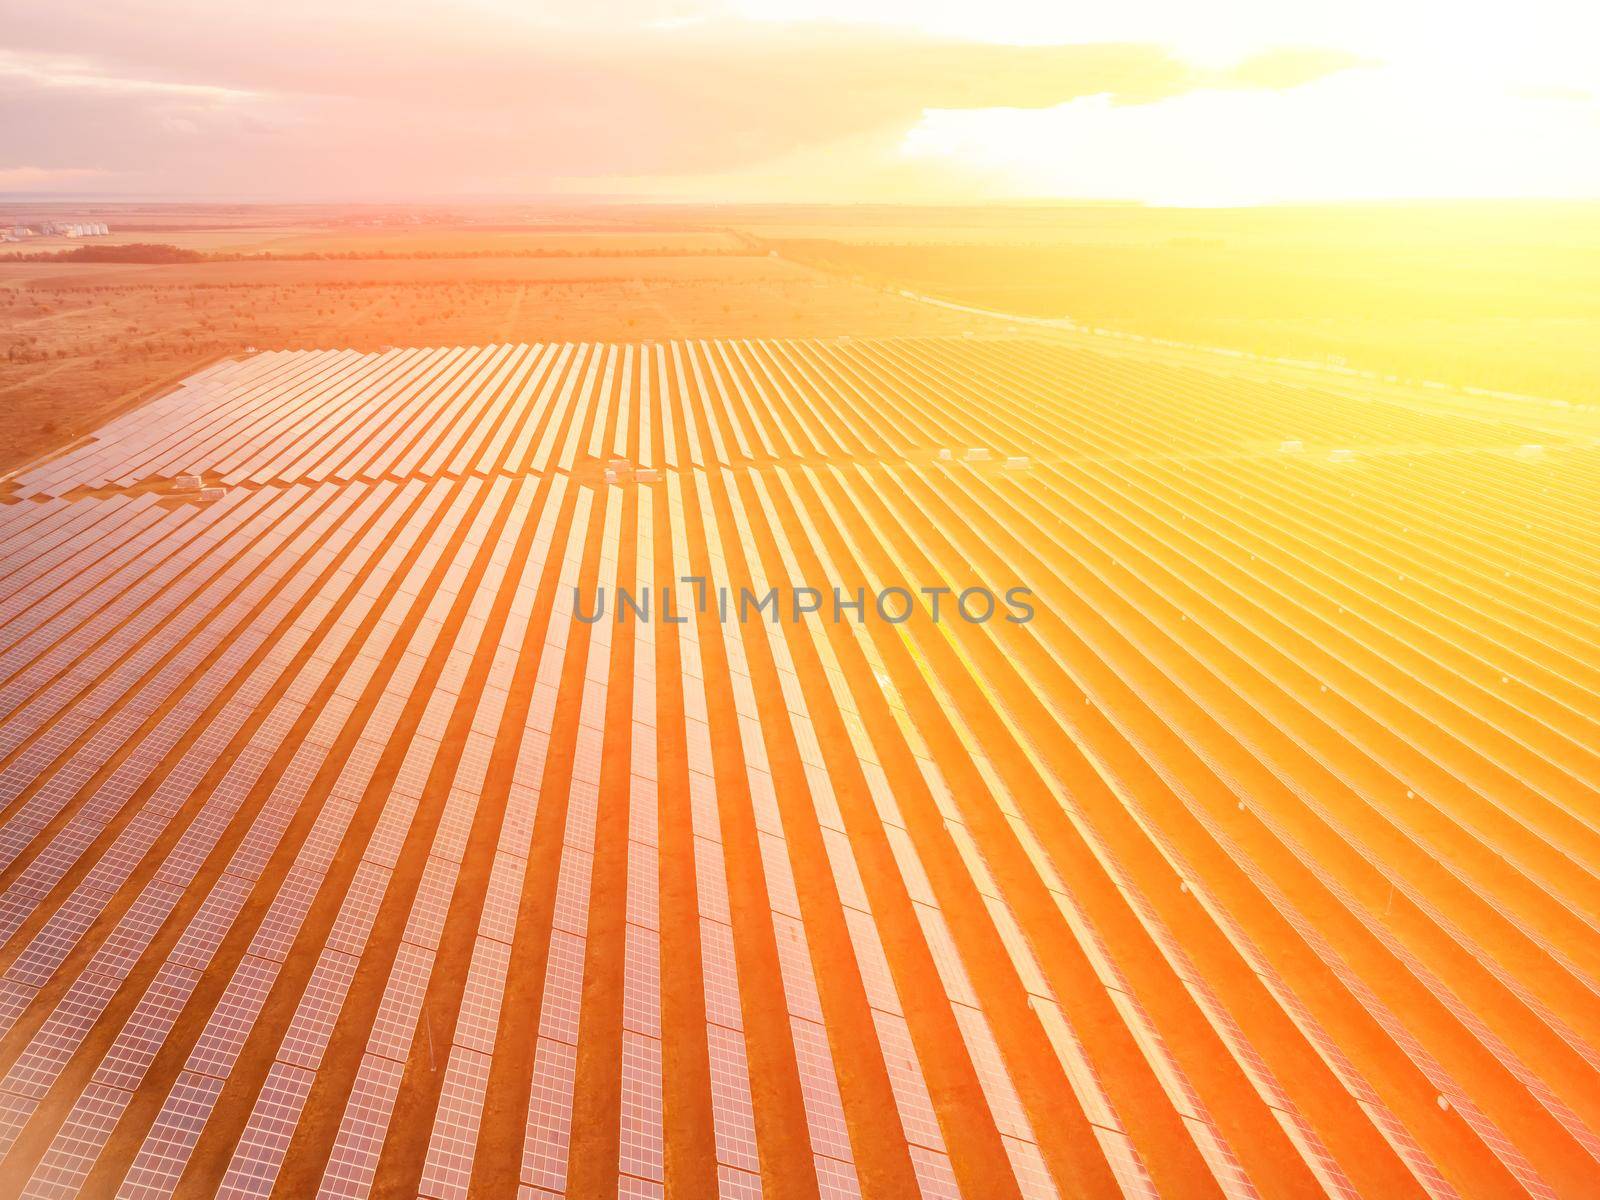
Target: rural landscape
pixel 348 853
pixel 1488 297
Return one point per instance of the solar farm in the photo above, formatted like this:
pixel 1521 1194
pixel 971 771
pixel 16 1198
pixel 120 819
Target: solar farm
pixel 343 853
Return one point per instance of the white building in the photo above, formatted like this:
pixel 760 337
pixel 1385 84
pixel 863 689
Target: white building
pixel 73 229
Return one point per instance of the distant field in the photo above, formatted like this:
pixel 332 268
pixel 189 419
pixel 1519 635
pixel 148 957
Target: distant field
pixel 402 242
pixel 79 339
pixel 317 272
pixel 208 241
pixel 1497 297
pixel 472 241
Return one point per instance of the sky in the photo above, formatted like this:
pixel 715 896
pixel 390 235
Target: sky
pixel 1159 101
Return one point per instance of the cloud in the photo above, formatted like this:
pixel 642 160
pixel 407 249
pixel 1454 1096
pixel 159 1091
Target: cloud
pixel 1557 92
pixel 1287 67
pixel 34 179
pixel 366 100
pixel 1374 133
pixel 51 72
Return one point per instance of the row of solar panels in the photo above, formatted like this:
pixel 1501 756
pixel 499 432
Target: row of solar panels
pixel 315 416
pixel 1579 782
pixel 161 1160
pixel 994 741
pixel 251 982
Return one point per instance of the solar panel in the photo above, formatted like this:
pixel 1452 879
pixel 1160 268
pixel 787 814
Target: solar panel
pixel 447 1171
pixel 641 1012
pixel 563 988
pixel 359 1142
pixel 396 1020
pixel 731 1105
pixel 479 1017
pixel 819 1090
pixel 549 1130
pixel 259 1154
pixel 157 1166
pixel 136 1046
pixel 167 667
pixel 66 1164
pixel 642 1147
pixel 312 1026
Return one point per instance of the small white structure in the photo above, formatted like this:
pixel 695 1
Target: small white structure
pixel 977 454
pixel 212 494
pixel 1340 455
pixel 1018 462
pixel 71 229
pixel 188 483
pixel 1291 446
pixel 946 454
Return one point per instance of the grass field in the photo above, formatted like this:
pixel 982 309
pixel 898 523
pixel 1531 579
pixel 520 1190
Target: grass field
pixel 1493 296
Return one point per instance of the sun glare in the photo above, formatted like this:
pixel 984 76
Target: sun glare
pixel 1366 134
pixel 1435 103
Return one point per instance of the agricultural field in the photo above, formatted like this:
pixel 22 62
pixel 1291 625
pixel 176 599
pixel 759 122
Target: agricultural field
pixel 1487 297
pixel 78 340
pixel 423 242
pixel 349 847
pixel 1497 296
pixel 386 230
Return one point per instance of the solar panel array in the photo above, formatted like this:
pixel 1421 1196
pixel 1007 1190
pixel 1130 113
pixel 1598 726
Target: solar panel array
pixel 339 856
